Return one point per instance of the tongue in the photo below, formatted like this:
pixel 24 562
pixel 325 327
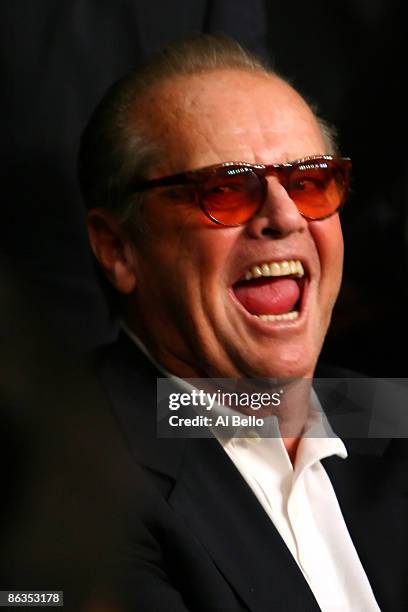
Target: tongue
pixel 268 295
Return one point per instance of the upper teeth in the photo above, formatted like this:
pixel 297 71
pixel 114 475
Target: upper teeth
pixel 276 268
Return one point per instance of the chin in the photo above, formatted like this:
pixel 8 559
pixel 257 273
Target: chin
pixel 290 364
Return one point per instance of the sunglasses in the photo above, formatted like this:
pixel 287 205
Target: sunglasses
pixel 232 193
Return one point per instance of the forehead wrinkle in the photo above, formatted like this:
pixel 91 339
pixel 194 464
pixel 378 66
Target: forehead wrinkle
pixel 275 147
pixel 195 115
pixel 209 138
pixel 181 129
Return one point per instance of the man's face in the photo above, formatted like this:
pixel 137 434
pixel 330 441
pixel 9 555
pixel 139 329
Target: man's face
pixel 188 306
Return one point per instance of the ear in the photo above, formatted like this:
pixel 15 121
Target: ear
pixel 112 249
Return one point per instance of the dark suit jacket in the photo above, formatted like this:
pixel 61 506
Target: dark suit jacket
pixel 198 538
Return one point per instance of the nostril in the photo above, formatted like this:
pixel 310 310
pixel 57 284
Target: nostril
pixel 271 231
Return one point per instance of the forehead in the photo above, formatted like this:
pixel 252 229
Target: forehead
pixel 229 115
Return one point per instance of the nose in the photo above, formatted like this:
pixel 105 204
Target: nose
pixel 278 216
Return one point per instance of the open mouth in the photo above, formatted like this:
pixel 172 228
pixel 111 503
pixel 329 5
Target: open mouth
pixel 272 291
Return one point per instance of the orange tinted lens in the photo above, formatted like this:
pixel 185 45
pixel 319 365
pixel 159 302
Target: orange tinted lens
pixel 317 192
pixel 233 197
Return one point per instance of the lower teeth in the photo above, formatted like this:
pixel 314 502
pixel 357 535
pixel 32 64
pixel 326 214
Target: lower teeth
pixel 287 316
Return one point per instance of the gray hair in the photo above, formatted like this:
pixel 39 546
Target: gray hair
pixel 112 154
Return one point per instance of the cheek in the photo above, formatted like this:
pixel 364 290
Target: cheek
pixel 184 263
pixel 188 255
pixel 328 239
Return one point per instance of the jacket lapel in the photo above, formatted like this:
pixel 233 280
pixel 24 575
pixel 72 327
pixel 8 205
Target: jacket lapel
pixel 208 492
pixel 218 506
pixel 371 487
pixel 129 379
pixel 371 484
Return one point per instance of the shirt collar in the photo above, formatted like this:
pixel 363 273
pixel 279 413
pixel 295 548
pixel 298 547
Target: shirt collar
pixel 318 442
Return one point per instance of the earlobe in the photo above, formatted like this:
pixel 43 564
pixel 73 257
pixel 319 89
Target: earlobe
pixel 112 249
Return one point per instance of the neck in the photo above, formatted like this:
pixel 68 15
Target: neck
pixel 291 445
pixel 292 412
pixel 177 364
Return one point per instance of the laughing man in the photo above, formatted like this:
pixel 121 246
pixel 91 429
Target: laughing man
pixel 213 193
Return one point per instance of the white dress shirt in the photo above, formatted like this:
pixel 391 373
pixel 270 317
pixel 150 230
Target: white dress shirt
pixel 302 505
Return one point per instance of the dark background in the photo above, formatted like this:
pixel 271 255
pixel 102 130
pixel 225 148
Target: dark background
pixel 58 58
